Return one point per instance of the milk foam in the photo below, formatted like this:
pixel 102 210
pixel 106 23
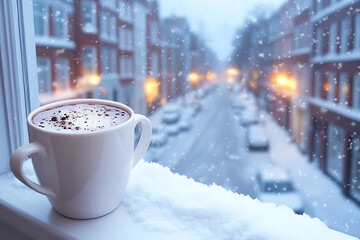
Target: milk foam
pixel 80 118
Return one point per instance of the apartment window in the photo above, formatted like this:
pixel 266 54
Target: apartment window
pixel 155 64
pixel 103 25
pixel 319 43
pixel 104 61
pixel 357 32
pixel 112 27
pixel 44 75
pixel 125 10
pixel 89 17
pixel 89 60
pixel 345 35
pixel 154 29
pixel 356 92
pixel 108 3
pixel 318 84
pixel 41 20
pixel 113 64
pixel 125 38
pixel 330 87
pixel 335 152
pixel 126 67
pixel 62 72
pixel 344 89
pixel 333 36
pixel 355 169
pixel 60 23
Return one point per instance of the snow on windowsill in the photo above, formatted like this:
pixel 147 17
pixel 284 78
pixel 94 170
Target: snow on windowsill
pixel 54 42
pixel 341 110
pixel 161 205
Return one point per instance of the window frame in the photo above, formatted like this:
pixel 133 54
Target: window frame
pixel 356 91
pixel 20 93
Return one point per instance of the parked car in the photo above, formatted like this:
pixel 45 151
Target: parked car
pixel 257 138
pixel 275 185
pixel 171 114
pixel 172 129
pixel 185 124
pixel 159 136
pixel 248 117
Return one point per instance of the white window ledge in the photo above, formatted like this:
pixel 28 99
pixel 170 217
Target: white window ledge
pixel 160 205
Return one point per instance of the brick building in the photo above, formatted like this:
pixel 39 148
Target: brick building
pixel 335 96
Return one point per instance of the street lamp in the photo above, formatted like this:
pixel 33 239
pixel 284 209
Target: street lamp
pixel 285 83
pixel 151 88
pixel 232 73
pixel 193 79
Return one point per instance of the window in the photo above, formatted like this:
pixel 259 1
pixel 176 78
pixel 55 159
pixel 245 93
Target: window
pixel 108 26
pixel 89 17
pixel 60 23
pixel 108 3
pixel 44 75
pixel 344 89
pixel 89 60
pixel 108 61
pixel 125 10
pixel 356 91
pixel 113 64
pixel 333 36
pixel 318 84
pixel 126 67
pixel 155 64
pixel 330 87
pixel 319 43
pixel 335 152
pixel 355 169
pixel 126 38
pixel 345 35
pixel 357 32
pixel 62 71
pixel 41 18
pixel 154 29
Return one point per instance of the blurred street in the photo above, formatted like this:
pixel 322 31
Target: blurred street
pixel 215 151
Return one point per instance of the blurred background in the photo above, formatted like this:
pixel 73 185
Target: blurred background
pixel 262 99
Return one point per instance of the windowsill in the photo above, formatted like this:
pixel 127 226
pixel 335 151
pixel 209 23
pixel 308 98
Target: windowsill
pixel 348 112
pixel 153 208
pixel 49 41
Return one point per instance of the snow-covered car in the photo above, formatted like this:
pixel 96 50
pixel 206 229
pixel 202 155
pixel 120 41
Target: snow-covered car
pixel 248 117
pixel 171 114
pixel 172 129
pixel 257 138
pixel 275 185
pixel 159 137
pixel 185 124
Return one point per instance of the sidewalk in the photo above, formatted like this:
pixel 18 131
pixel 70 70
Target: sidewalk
pixel 322 195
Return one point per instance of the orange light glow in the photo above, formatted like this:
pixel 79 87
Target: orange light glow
pixel 162 101
pixel 285 83
pixel 210 76
pixel 151 88
pixel 193 77
pixel 327 87
pixel 232 72
pixel 94 80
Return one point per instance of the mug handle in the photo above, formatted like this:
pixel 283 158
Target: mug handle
pixel 144 141
pixel 16 165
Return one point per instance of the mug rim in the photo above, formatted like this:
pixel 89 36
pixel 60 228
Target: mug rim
pixel 77 101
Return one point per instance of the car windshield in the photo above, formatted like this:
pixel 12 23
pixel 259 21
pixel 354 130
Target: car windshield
pixel 277 187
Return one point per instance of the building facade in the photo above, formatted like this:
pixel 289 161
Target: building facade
pixel 335 93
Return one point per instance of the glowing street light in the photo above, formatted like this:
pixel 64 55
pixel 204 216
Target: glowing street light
pixel 232 72
pixel 94 79
pixel 151 88
pixel 210 76
pixel 286 83
pixel 193 78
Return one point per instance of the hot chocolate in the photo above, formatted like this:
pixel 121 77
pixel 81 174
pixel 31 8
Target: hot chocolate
pixel 80 118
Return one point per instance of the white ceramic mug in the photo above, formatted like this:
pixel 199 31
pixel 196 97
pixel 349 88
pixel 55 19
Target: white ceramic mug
pixel 84 175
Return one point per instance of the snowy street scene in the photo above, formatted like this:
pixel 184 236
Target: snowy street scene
pixel 191 119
